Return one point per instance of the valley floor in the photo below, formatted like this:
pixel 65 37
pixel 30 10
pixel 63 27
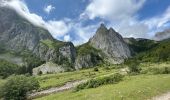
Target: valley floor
pixel 140 87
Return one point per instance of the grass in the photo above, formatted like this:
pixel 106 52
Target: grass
pixel 140 87
pixel 87 49
pixel 48 43
pixel 53 80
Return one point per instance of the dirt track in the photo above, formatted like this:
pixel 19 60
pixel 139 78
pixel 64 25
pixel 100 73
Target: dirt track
pixel 165 96
pixel 67 86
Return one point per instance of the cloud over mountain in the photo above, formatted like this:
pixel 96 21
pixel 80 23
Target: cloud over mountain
pixel 122 15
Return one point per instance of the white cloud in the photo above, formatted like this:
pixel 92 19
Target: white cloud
pixel 132 28
pixel 67 38
pixel 112 9
pixel 49 8
pixel 83 33
pixel 121 15
pixel 55 27
pixel 158 21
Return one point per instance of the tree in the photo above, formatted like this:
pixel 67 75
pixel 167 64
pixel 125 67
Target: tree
pixel 7 68
pixel 17 87
pixel 32 61
pixel 133 66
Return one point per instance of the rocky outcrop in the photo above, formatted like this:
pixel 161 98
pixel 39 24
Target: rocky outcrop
pixel 48 68
pixel 87 57
pixel 87 61
pixel 56 53
pixel 17 33
pixel 111 44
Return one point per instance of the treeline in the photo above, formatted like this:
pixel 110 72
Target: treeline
pixel 8 68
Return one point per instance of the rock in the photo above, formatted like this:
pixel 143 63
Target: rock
pixel 57 52
pixel 47 68
pixel 86 61
pixel 111 44
pixel 17 33
pixel 87 57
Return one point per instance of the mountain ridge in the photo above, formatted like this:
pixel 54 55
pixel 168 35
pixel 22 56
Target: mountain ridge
pixel 36 46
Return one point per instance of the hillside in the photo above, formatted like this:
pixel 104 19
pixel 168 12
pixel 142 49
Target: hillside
pixel 33 45
pixel 158 53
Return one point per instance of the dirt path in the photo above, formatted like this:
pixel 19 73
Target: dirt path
pixel 67 86
pixel 165 96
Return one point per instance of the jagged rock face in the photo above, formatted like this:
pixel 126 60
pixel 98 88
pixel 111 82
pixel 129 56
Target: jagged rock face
pixel 18 35
pixel 55 54
pixel 68 51
pixel 48 67
pixel 83 62
pixel 87 61
pixel 112 45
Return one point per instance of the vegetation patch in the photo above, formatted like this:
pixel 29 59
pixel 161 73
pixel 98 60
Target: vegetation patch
pixel 17 87
pixel 139 87
pixel 156 70
pixel 87 49
pixel 141 45
pixel 93 83
pixel 158 53
pixel 48 43
pixel 7 68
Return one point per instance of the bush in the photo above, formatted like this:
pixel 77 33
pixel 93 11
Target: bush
pixel 7 69
pixel 17 87
pixel 93 83
pixel 96 69
pixel 31 61
pixel 157 70
pixel 133 66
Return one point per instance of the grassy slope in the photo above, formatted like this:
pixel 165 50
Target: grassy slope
pixel 139 87
pixel 157 53
pixel 52 80
pixel 87 49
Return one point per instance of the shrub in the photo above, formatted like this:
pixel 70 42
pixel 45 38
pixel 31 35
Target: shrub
pixel 96 69
pixel 133 66
pixel 7 68
pixel 17 87
pixel 93 83
pixel 31 61
pixel 157 70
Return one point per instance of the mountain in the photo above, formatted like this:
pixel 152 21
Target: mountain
pixel 20 38
pixel 111 44
pixel 106 46
pixel 27 45
pixel 149 50
pixel 157 53
pixel 138 45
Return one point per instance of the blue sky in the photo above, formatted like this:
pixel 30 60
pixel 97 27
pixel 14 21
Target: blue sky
pixel 77 20
pixel 63 8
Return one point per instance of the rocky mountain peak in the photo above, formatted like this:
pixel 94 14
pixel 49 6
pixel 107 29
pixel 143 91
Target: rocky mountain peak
pixel 111 43
pixel 102 29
